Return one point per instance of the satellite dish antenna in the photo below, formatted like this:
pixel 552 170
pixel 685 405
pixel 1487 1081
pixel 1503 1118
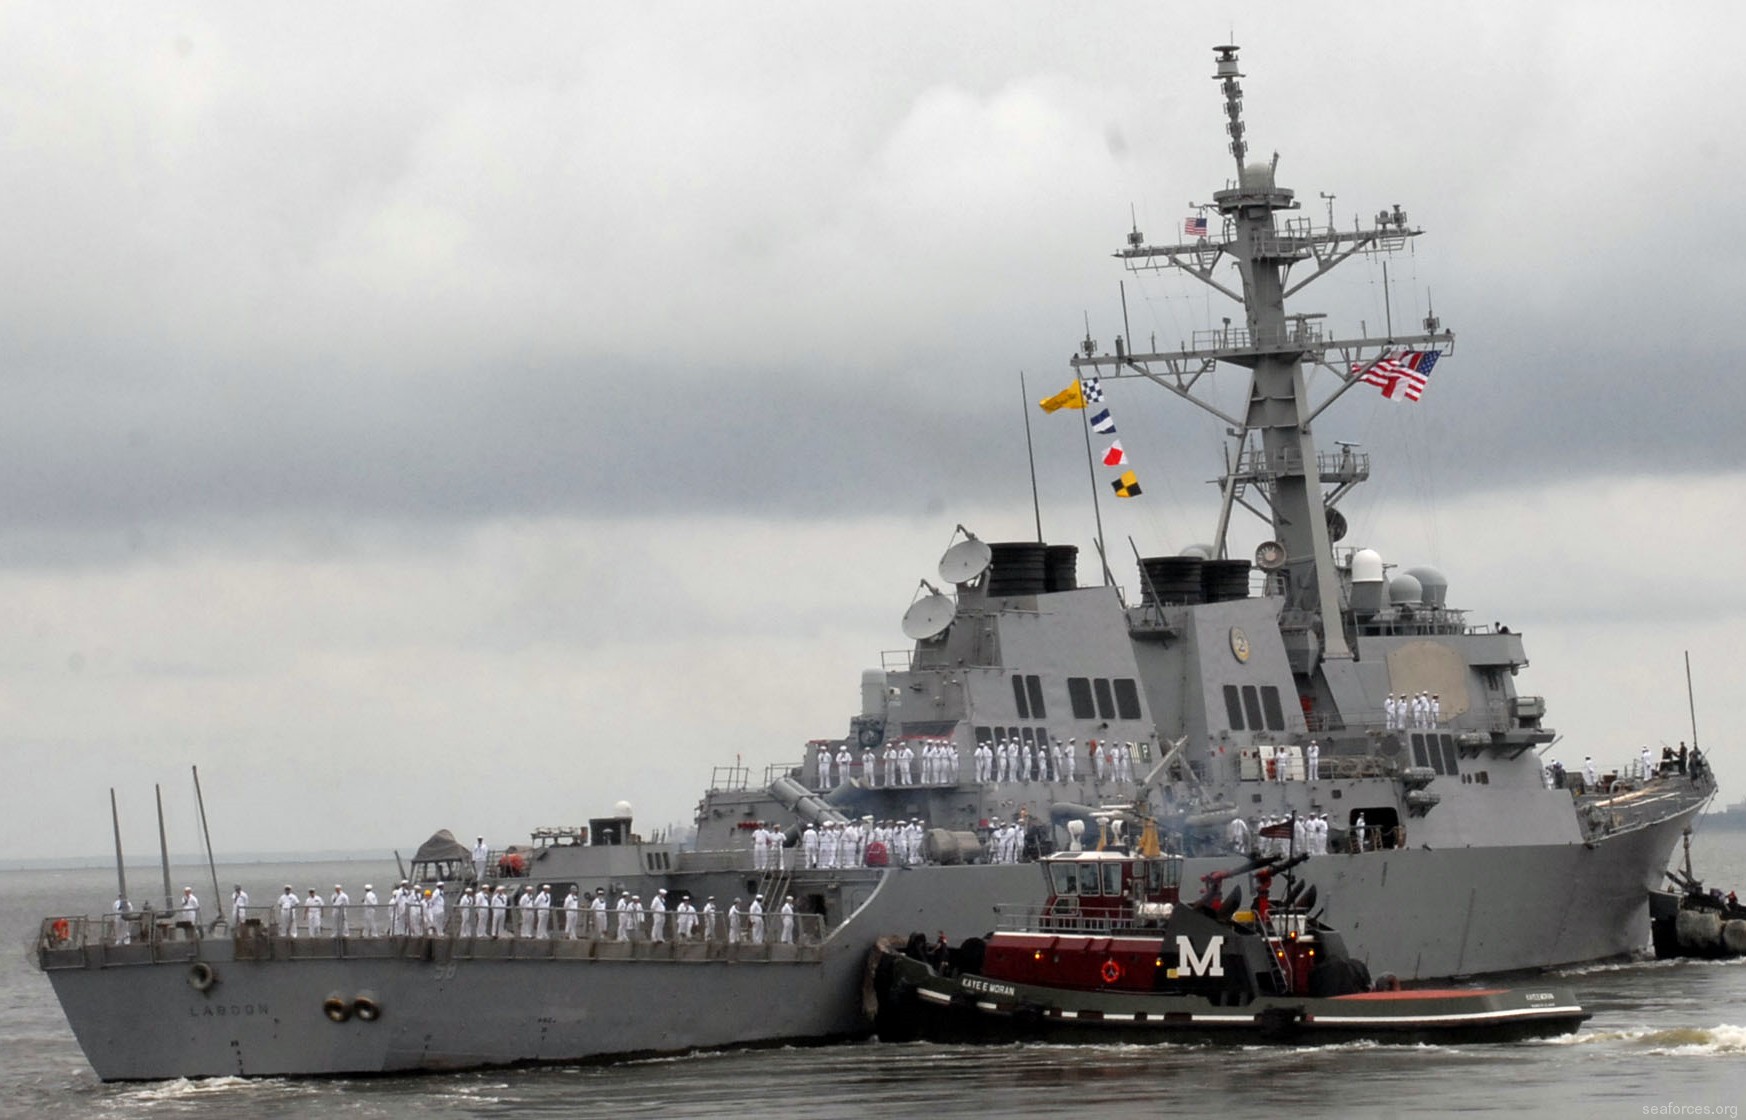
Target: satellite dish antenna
pixel 929 615
pixel 965 561
pixel 1270 556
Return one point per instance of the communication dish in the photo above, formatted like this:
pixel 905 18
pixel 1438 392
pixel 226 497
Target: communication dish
pixel 1336 525
pixel 1270 556
pixel 965 561
pixel 928 616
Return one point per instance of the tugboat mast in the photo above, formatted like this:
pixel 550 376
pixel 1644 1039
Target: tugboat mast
pixel 1274 454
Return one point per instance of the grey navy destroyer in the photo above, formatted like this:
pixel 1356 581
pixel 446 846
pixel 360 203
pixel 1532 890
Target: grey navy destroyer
pixel 1217 690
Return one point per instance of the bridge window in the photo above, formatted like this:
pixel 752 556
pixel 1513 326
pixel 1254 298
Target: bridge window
pixel 1127 698
pixel 1112 878
pixel 1018 697
pixel 1079 695
pixel 1233 708
pixel 1105 703
pixel 1270 704
pixel 1034 686
pixel 1252 706
pixel 1449 754
pixel 1065 877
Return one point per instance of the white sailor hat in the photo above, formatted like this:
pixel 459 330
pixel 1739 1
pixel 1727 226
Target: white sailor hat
pixel 663 890
pixel 369 887
pixel 336 887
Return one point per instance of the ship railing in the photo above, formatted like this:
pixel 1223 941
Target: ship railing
pixel 716 859
pixel 78 940
pixel 728 779
pixel 1041 919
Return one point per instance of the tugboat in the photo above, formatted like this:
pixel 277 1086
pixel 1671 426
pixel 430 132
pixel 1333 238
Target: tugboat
pixel 1116 955
pixel 1693 921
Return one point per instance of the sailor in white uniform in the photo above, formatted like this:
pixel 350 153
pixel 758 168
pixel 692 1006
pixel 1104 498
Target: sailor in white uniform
pixel 845 761
pixel 288 913
pixel 788 920
pixel 342 923
pixel 1312 762
pixel 824 767
pixel 369 902
pixel 189 910
pixel 542 905
pixel 436 911
pixel 597 908
pixel 709 918
pixel 755 912
pixel 1588 772
pixel 1358 832
pixel 733 922
pixel 312 914
pixel 239 906
pixel 658 916
pixel 481 853
pixel 119 930
pixel 572 912
pixel 465 906
pixel 870 767
pixel 499 910
pixel 1237 833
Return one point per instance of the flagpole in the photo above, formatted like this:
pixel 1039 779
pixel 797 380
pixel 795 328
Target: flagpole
pixel 1031 454
pixel 1096 506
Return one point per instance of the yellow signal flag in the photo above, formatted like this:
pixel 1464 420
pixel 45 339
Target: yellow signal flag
pixel 1127 486
pixel 1070 397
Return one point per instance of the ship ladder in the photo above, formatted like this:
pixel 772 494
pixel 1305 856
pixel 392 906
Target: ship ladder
pixel 1275 949
pixel 773 885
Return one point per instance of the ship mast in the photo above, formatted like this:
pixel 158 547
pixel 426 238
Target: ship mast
pixel 1274 471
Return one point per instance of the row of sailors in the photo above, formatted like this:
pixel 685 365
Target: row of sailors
pixel 896 762
pixel 1403 711
pixel 840 844
pixel 485 912
pixel 1642 768
pixel 1276 836
pixel 1001 761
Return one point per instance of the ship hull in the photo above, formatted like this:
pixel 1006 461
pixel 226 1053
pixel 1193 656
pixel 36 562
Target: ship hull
pixel 437 1010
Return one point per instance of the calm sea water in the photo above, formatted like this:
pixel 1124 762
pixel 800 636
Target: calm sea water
pixel 1663 1034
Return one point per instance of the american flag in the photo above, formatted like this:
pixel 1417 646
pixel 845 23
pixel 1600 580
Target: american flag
pixel 1404 373
pixel 1195 226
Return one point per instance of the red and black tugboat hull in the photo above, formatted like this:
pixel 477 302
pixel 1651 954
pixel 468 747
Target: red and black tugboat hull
pixel 915 1001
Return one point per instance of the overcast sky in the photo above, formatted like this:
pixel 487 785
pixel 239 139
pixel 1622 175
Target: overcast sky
pixel 434 416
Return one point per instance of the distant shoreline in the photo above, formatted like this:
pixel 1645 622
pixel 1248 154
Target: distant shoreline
pixel 241 859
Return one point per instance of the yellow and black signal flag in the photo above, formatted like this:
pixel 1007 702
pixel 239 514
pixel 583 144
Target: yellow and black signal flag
pixel 1070 397
pixel 1127 486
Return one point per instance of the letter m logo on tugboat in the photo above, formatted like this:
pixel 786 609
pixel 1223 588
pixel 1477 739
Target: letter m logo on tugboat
pixel 1209 963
